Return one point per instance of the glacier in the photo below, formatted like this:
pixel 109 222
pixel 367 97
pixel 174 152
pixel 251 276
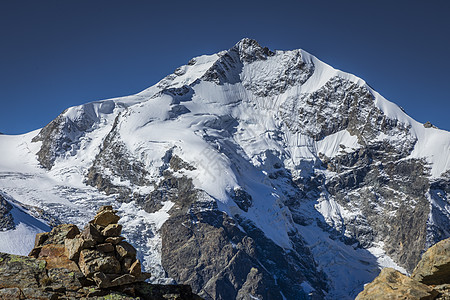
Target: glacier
pixel 298 157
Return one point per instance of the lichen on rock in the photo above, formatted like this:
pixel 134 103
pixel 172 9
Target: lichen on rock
pixel 93 264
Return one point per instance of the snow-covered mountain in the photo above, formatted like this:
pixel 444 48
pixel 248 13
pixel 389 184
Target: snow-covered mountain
pixel 248 174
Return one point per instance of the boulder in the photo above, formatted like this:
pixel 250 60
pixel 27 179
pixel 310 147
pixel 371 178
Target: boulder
pixel 11 294
pixel 105 216
pixel 55 256
pixel 91 233
pixel 135 268
pixel 106 247
pixel 102 280
pixel 74 246
pixel 434 267
pixel 21 271
pixel 40 238
pixel 112 230
pixel 114 240
pixel 123 279
pixel 124 249
pixel 391 284
pixel 69 279
pixel 59 234
pixel 92 261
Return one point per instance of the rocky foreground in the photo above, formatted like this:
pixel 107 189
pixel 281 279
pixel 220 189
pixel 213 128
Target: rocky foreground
pixel 96 263
pixel 429 280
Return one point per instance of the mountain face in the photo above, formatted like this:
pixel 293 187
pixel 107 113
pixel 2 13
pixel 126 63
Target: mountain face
pixel 249 173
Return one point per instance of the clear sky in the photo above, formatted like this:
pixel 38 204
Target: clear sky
pixel 56 54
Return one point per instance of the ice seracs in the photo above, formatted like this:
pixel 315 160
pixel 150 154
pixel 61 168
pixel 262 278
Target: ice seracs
pixel 306 177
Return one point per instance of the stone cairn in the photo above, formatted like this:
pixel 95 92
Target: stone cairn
pixel 99 252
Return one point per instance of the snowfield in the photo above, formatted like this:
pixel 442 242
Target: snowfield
pixel 233 136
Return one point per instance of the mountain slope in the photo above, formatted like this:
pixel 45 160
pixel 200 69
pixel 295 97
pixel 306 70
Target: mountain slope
pixel 247 172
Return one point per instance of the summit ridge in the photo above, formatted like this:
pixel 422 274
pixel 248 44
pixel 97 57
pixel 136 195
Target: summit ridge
pixel 246 173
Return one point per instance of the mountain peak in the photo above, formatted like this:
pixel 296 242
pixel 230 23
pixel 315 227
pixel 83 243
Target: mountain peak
pixel 250 50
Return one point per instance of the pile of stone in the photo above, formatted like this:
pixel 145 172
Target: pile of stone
pixel 96 263
pixel 99 251
pixel 429 280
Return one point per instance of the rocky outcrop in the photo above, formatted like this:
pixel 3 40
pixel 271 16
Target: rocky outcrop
pixel 430 279
pixel 335 159
pixel 392 284
pixel 222 258
pixel 434 267
pixel 6 219
pixel 95 263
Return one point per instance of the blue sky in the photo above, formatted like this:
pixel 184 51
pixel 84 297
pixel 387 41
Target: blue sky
pixel 56 54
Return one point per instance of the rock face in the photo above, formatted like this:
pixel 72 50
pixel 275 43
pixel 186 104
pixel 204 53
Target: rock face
pixel 246 173
pixel 67 263
pixel 434 267
pixel 6 219
pixel 430 279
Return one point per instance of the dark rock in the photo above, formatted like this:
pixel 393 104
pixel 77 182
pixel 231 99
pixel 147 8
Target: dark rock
pixel 55 256
pixel 41 238
pixel 74 246
pixel 116 157
pixel 123 279
pixel 6 219
pixel 91 233
pixel 92 261
pixel 242 199
pixel 223 257
pixel 124 249
pixel 114 240
pixel 63 134
pixel 21 271
pixel 135 269
pixel 106 247
pixel 112 230
pixel 57 235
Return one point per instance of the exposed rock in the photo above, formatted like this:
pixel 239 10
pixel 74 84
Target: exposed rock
pixel 429 125
pixel 57 236
pixel 40 238
pixel 119 160
pixel 21 271
pixel 55 256
pixel 135 269
pixel 123 279
pixel 227 261
pixel 63 133
pixel 92 234
pixel 430 279
pixel 105 218
pixel 434 267
pixel 75 245
pixel 106 247
pixel 56 273
pixel 124 249
pixel 392 284
pixel 60 233
pixel 6 219
pixel 92 261
pixel 242 199
pixel 11 294
pixel 112 230
pixel 114 240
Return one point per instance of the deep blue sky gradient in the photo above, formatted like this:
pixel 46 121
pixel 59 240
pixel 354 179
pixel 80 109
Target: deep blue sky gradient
pixel 56 54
